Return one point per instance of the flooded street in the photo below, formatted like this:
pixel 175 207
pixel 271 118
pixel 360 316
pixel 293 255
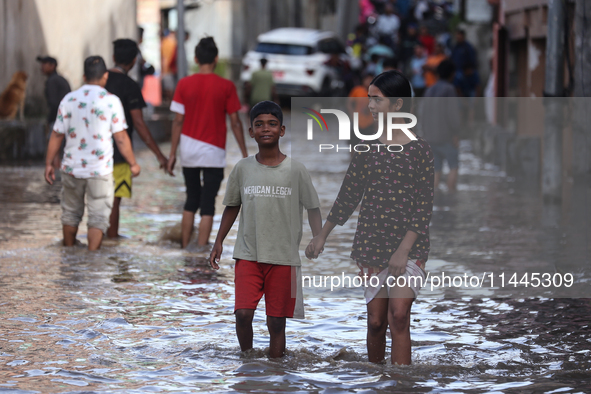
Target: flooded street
pixel 142 316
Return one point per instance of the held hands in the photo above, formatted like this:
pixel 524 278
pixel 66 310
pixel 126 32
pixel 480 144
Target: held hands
pixel 315 247
pixel 164 164
pixel 397 263
pixel 170 164
pixel 216 254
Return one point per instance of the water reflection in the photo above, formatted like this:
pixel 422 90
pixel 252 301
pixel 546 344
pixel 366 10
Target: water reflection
pixel 143 316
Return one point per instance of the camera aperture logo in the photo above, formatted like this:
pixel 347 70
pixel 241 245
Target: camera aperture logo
pixel 345 130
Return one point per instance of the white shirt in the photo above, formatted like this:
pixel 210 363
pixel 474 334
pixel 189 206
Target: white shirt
pixel 421 7
pixel 88 117
pixel 388 24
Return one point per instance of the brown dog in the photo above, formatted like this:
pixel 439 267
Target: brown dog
pixel 12 99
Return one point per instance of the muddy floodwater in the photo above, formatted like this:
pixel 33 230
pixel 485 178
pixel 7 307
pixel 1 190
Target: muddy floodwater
pixel 142 316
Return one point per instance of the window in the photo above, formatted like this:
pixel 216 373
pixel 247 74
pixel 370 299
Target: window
pixel 331 45
pixel 283 49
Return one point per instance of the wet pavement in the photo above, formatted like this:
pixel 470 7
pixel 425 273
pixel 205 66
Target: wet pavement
pixel 143 316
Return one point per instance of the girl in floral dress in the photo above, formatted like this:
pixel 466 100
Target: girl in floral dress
pixel 392 238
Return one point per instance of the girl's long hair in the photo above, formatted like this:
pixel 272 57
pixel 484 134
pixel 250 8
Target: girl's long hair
pixel 393 84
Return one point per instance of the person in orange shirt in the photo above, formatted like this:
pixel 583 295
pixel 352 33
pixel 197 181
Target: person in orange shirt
pixel 357 102
pixel 430 66
pixel 167 50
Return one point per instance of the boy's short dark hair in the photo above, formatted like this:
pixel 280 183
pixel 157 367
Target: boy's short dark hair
pixel 206 51
pixel 266 107
pixel 124 51
pixel 446 69
pixel 94 68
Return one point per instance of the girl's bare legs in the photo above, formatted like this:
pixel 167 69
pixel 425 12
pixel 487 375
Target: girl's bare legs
pixel 400 303
pixel 377 324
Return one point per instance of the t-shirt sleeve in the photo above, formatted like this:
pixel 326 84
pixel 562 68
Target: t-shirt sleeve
pixel 178 104
pixel 308 194
pixel 62 123
pixel 118 122
pixel 232 102
pixel 135 98
pixel 232 197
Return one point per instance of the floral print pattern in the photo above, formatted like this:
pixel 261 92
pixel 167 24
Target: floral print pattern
pixel 89 117
pixel 396 195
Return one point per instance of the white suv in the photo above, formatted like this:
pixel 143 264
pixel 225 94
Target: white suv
pixel 297 58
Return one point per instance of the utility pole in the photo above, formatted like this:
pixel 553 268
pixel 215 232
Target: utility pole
pixel 181 56
pixel 582 118
pixel 554 88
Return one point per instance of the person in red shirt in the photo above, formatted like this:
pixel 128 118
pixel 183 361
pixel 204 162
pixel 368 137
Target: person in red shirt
pixel 427 40
pixel 201 102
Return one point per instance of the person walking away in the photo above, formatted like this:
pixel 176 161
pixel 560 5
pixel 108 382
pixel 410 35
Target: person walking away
pixel 270 190
pixel 125 53
pixel 56 87
pixel 261 86
pixel 88 118
pixel 201 103
pixel 440 119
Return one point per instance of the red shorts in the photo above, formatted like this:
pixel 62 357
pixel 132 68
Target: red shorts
pixel 276 282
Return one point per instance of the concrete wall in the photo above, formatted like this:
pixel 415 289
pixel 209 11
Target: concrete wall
pixel 69 30
pixel 210 19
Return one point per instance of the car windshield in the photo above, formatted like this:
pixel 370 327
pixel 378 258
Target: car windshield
pixel 283 49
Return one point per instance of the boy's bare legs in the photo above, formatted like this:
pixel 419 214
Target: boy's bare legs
pixel 452 180
pixel 377 324
pixel 69 235
pixel 113 231
pixel 276 326
pixel 400 302
pixel 244 328
pixel 187 225
pixel 205 226
pixel 95 238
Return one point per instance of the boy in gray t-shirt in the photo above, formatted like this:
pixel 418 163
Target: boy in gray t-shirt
pixel 273 191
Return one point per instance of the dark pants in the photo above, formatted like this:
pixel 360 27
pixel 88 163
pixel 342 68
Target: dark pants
pixel 202 196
